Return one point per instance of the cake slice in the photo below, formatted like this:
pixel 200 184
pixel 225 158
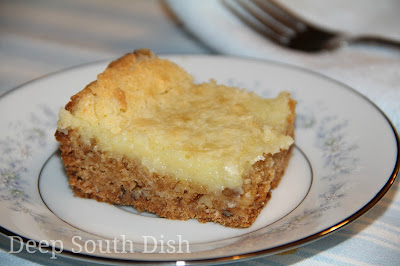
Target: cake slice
pixel 144 134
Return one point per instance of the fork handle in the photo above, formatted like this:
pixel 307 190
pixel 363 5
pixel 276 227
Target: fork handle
pixel 377 40
pixel 344 39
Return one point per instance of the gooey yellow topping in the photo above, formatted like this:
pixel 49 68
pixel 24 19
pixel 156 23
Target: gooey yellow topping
pixel 150 109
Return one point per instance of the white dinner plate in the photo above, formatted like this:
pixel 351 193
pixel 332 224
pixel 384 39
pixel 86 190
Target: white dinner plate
pixel 345 160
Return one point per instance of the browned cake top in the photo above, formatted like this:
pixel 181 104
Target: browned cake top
pixel 149 109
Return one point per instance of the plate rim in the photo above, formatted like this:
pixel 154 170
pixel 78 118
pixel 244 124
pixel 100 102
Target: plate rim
pixel 250 255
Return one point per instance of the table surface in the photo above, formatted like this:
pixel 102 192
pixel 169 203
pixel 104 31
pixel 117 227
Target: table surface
pixel 44 36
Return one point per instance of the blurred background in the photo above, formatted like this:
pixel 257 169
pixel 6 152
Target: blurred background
pixel 42 36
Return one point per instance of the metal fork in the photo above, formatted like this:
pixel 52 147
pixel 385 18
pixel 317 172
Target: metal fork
pixel 282 26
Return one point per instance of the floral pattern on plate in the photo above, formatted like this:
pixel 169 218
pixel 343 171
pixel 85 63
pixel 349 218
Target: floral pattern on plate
pixel 334 140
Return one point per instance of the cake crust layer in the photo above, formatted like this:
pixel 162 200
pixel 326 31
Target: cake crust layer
pixel 122 181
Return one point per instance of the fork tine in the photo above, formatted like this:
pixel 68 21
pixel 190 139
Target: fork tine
pixel 265 18
pixel 281 14
pixel 281 26
pixel 258 23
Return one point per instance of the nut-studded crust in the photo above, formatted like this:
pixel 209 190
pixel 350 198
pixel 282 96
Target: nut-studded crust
pixel 119 180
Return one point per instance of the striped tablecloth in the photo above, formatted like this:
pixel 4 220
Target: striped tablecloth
pixel 43 36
